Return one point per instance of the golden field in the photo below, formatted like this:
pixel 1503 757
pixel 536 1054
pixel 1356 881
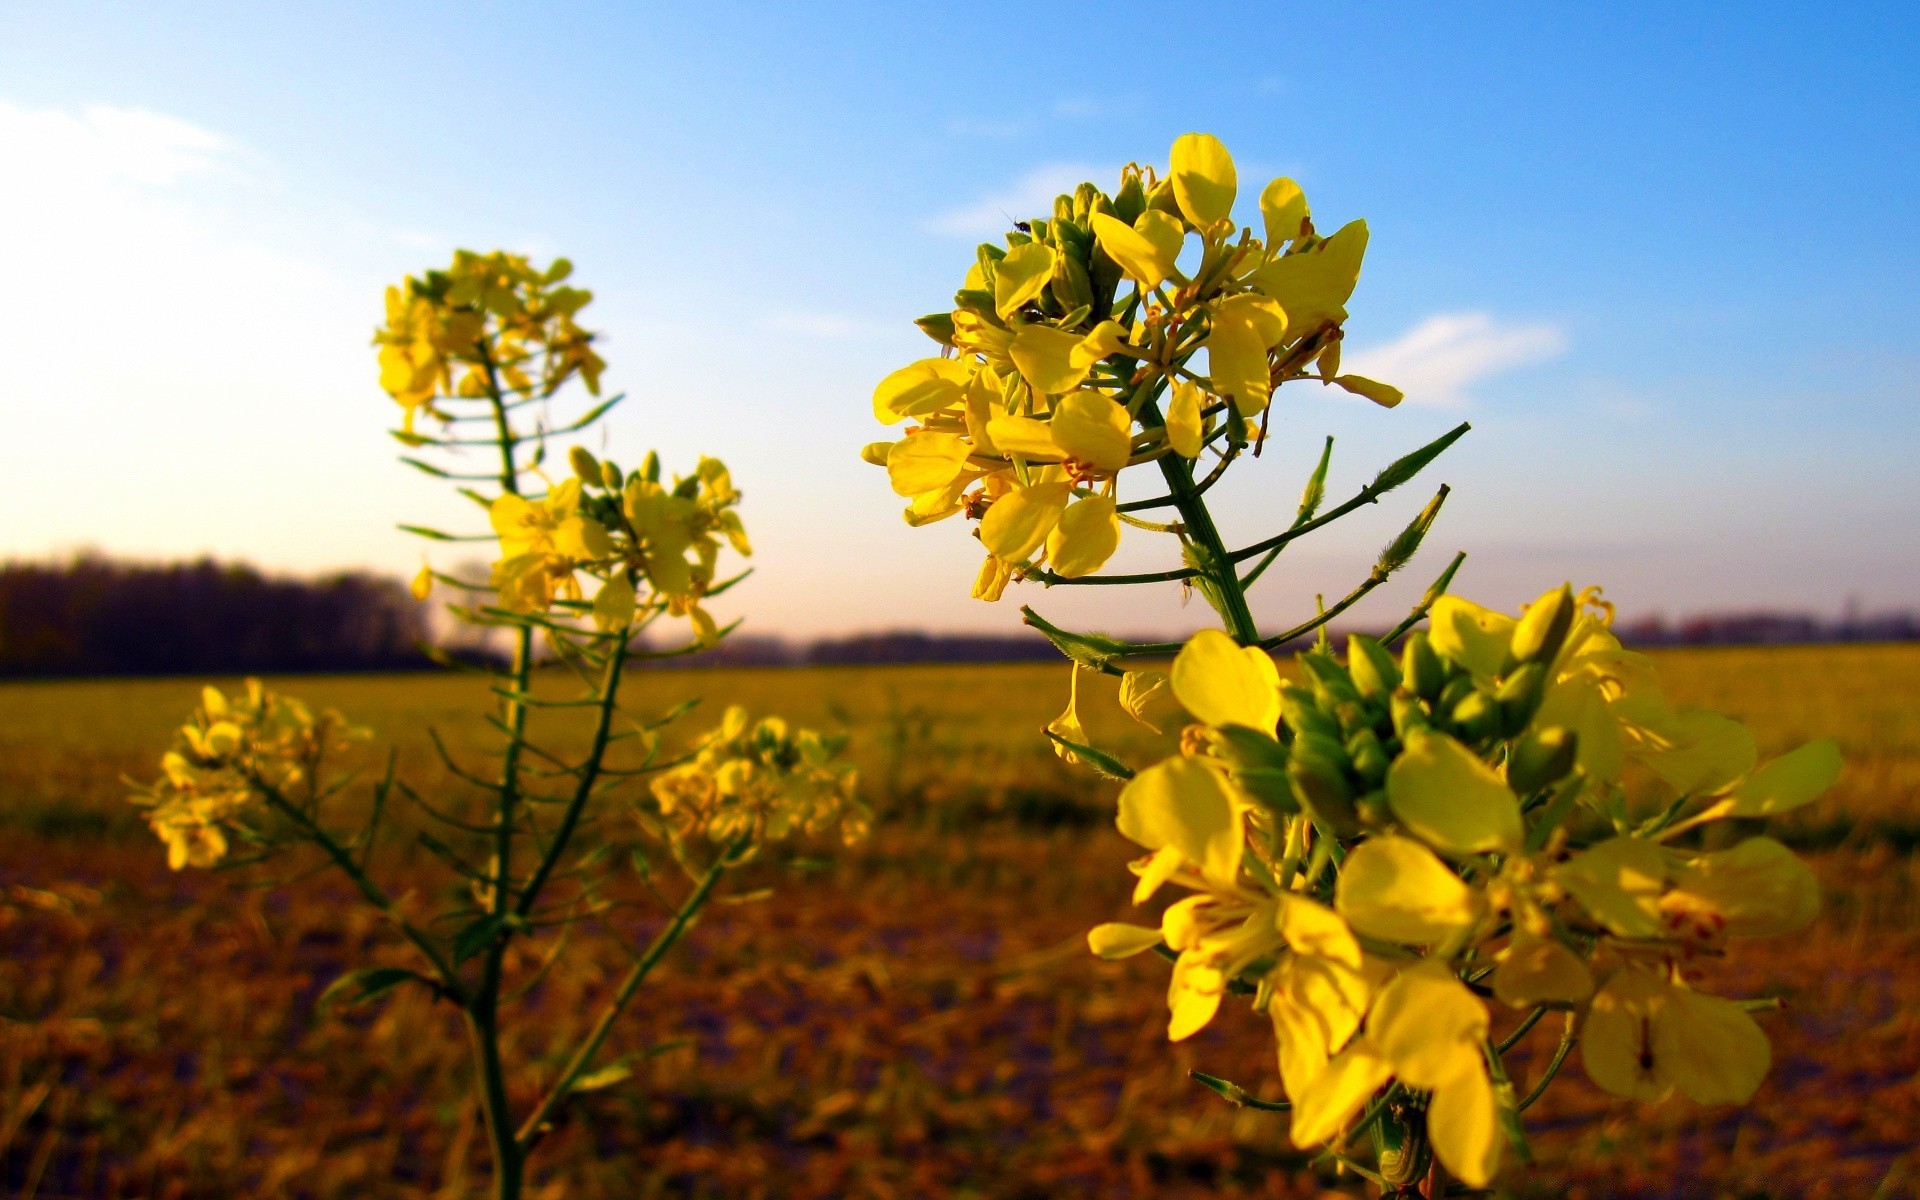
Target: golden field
pixel 913 1017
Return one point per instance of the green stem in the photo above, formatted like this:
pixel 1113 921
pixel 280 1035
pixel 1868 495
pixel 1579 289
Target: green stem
pixel 583 1057
pixel 589 776
pixel 1229 598
pixel 1560 1053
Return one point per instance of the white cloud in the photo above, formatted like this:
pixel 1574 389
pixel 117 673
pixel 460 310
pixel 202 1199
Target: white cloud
pixel 101 143
pixel 1438 361
pixel 1029 196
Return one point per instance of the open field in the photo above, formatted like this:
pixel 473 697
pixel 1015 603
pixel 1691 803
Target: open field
pixel 917 1017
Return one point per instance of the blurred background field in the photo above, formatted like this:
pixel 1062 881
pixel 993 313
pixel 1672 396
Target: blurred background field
pixel 913 1017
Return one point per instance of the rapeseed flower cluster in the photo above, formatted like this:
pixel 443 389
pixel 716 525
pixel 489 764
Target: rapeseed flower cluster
pixel 225 763
pixel 1502 811
pixel 489 324
pixel 1111 333
pixel 623 530
pixel 761 781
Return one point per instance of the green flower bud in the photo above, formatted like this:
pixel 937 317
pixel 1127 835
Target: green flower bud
pixel 650 467
pixel 1070 284
pixel 978 302
pixel 1541 759
pixel 1162 198
pixel 1318 745
pixel 1131 200
pixel 585 465
pixel 1370 760
pixel 1408 716
pixel 1372 809
pixel 1321 788
pixel 1421 667
pixel 1330 682
pixel 938 326
pixel 1519 696
pixel 1085 198
pixel 1457 689
pixel 1257 763
pixel 1476 715
pixel 1543 630
pixel 1372 668
pixel 1302 714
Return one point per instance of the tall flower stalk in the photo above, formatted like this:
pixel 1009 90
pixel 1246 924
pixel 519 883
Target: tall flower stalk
pixel 588 565
pixel 1473 807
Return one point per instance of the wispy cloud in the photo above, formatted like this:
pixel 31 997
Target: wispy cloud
pixel 1029 196
pixel 1438 361
pixel 99 143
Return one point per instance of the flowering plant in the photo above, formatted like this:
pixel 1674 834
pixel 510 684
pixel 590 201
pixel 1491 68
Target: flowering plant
pixel 1372 848
pixel 587 565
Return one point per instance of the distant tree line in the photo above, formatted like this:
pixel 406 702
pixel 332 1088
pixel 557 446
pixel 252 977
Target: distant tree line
pixel 94 616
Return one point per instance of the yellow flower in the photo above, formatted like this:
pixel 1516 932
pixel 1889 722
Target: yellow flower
pixel 1428 1030
pixel 1245 327
pixel 1204 181
pixel 1395 889
pixel 1619 882
pixel 1187 804
pixel 1223 683
pixel 1145 250
pixel 1185 428
pixel 1046 358
pixel 1021 276
pixel 1282 208
pixel 1314 286
pixel 927 386
pixel 1473 637
pixel 1646 1036
pixel 1092 430
pixel 1018 523
pixel 1758 888
pixel 1451 799
pixel 1085 538
pixel 1540 970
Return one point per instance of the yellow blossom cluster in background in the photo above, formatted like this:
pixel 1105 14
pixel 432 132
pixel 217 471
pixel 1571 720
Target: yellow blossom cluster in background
pixel 228 763
pixel 763 782
pixel 1508 809
pixel 1085 347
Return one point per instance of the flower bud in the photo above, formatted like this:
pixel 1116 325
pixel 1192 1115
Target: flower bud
pixel 1302 715
pixel 1321 788
pixel 1422 669
pixel 938 326
pixel 1070 284
pixel 1519 696
pixel 611 476
pixel 1457 689
pixel 1476 715
pixel 1372 668
pixel 1162 198
pixel 1084 198
pixel 1331 683
pixel 1541 759
pixel 876 453
pixel 584 465
pixel 1369 756
pixel 1372 809
pixel 650 467
pixel 1257 763
pixel 1543 629
pixel 1317 745
pixel 1408 716
pixel 1131 200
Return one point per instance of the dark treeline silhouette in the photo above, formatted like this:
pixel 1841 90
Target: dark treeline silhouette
pixel 94 616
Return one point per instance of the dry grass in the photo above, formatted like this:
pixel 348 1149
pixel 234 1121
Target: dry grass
pixel 915 1019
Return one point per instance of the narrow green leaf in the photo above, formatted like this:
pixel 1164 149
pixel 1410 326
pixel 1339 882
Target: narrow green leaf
pixel 1106 764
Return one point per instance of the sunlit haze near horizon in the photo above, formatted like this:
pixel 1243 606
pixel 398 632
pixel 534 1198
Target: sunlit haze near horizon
pixel 1663 257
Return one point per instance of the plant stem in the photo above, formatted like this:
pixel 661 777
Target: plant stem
pixel 1217 567
pixel 583 1057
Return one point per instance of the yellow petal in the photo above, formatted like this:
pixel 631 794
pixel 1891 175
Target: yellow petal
pixel 1223 683
pixel 1759 888
pixel 1237 361
pixel 1193 997
pixel 1146 696
pixel 925 462
pixel 1188 805
pixel 1282 207
pixel 1537 970
pixel 1709 1048
pixel 1204 181
pixel 1107 338
pixel 1394 888
pixel 1314 286
pixel 1146 250
pixel 982 406
pixel 1118 940
pixel 1698 751
pixel 1794 779
pixel 1085 538
pixel 1427 1025
pixel 1021 276
pixel 1045 357
pixel 1383 394
pixel 1463 1123
pixel 1446 796
pixel 1334 1099
pixel 1616 1045
pixel 613 605
pixel 1067 724
pixel 1185 430
pixel 1094 429
pixel 582 539
pixel 1619 882
pixel 991 583
pixel 1017 523
pixel 1312 928
pixel 1154 872
pixel 927 386
pixel 1474 638
pixel 422 585
pixel 1028 437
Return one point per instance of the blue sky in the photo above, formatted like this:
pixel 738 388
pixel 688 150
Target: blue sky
pixel 1664 258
